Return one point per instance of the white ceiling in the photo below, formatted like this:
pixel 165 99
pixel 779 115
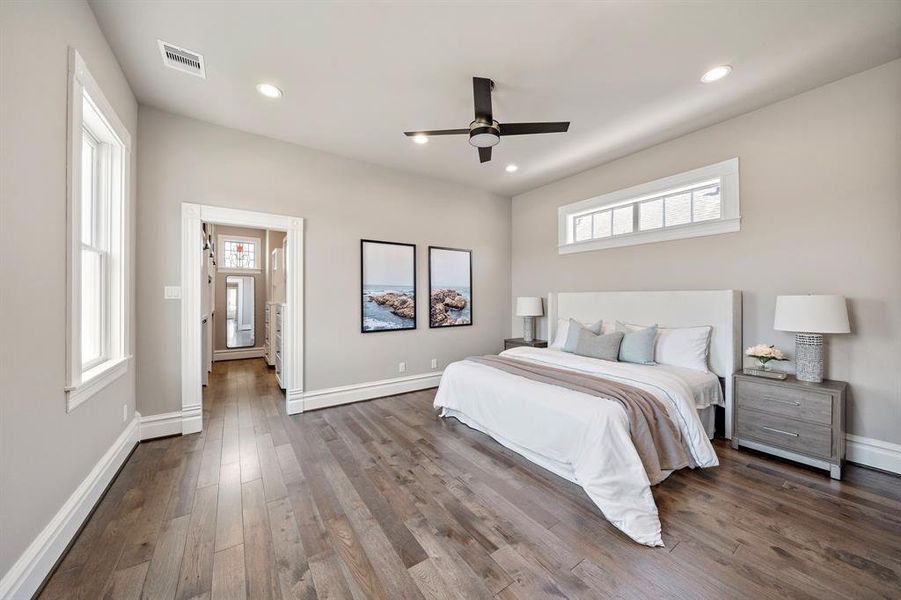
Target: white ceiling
pixel 357 74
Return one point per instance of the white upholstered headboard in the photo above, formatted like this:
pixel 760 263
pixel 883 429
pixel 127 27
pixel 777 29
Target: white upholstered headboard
pixel 720 309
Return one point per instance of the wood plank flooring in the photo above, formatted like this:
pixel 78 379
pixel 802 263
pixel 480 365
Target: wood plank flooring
pixel 381 500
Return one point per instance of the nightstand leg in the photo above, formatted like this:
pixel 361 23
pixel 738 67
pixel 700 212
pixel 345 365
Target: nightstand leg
pixel 835 471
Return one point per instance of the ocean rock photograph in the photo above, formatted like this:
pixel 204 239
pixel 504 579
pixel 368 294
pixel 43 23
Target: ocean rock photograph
pixel 450 287
pixel 388 286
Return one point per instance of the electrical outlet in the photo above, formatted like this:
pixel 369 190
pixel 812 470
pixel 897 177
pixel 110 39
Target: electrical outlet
pixel 434 363
pixel 124 412
pixel 401 367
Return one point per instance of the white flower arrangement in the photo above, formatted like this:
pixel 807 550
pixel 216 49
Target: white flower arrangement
pixel 765 354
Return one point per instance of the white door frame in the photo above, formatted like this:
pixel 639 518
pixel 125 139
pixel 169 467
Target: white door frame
pixel 192 215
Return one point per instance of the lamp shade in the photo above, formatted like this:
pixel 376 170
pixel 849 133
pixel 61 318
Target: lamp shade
pixel 811 314
pixel 529 306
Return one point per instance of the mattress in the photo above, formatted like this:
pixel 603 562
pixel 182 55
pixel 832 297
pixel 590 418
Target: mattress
pixel 705 387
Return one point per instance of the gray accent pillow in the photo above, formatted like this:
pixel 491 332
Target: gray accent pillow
pixel 572 333
pixel 637 346
pixel 605 347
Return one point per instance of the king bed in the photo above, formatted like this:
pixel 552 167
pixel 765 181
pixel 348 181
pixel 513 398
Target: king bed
pixel 582 435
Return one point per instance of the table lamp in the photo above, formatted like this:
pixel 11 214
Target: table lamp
pixel 528 307
pixel 810 317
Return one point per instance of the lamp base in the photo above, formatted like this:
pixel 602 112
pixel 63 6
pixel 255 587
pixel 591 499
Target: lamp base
pixel 528 329
pixel 809 357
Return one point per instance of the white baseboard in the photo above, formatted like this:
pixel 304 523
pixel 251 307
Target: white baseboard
pixel 873 453
pixel 294 398
pixel 191 419
pixel 239 354
pixel 345 394
pixel 29 571
pixel 161 425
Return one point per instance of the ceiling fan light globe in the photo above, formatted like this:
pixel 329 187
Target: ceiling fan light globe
pixel 483 134
pixel 484 140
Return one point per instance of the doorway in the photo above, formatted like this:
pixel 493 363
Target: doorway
pixel 239 311
pixel 245 324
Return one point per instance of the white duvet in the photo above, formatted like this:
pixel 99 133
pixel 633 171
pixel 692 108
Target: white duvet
pixel 582 438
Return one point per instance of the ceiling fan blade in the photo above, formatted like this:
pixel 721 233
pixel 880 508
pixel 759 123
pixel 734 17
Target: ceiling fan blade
pixel 437 132
pixel 529 128
pixel 484 154
pixel 481 97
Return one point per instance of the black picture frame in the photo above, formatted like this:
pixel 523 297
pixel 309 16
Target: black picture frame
pixel 363 292
pixel 432 324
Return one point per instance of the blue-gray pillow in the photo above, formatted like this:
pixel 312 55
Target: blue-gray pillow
pixel 572 333
pixel 637 346
pixel 605 347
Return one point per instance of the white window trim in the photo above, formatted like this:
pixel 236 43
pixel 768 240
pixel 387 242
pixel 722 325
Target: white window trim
pixel 729 221
pixel 82 383
pixel 220 245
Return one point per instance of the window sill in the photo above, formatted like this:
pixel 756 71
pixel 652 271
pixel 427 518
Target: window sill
pixel 95 380
pixel 657 235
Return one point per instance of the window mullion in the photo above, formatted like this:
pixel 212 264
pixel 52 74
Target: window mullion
pixel 691 206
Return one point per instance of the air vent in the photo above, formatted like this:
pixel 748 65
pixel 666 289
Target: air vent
pixel 182 59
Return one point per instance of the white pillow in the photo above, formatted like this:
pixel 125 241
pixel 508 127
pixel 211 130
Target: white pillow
pixel 563 331
pixel 680 346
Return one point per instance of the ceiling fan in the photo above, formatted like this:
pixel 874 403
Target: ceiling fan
pixel 484 132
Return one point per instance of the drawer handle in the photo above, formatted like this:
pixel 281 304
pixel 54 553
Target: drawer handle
pixel 780 400
pixel 773 429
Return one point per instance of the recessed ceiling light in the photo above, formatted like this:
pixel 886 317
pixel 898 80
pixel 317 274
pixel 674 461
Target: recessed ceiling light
pixel 269 90
pixel 421 139
pixel 511 169
pixel 716 73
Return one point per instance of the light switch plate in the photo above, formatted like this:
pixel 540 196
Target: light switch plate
pixel 172 292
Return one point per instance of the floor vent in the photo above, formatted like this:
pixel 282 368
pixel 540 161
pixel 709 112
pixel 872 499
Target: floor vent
pixel 182 59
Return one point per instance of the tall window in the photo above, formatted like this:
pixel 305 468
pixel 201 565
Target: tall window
pixel 94 250
pixel 98 191
pixel 696 203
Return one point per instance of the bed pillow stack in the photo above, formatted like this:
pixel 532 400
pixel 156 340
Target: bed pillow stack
pixel 587 340
pixel 563 329
pixel 678 346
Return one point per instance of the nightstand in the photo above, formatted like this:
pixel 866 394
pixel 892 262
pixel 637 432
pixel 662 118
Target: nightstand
pixel 792 419
pixel 516 342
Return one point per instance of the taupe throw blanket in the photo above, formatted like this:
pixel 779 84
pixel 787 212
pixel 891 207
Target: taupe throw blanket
pixel 655 435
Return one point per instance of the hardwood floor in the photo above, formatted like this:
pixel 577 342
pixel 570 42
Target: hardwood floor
pixel 381 500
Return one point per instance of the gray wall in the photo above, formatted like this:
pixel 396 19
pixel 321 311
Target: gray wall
pixel 184 160
pixel 45 453
pixel 220 341
pixel 821 213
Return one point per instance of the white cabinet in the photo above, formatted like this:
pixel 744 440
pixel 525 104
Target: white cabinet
pixel 269 328
pixel 279 346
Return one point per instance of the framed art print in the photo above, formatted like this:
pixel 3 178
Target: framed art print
pixel 450 287
pixel 388 286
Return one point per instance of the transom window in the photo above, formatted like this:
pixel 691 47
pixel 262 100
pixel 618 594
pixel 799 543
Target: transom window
pixel 699 202
pixel 239 253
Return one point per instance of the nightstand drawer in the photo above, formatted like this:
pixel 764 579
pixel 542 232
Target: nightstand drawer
pixel 794 402
pixel 806 438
